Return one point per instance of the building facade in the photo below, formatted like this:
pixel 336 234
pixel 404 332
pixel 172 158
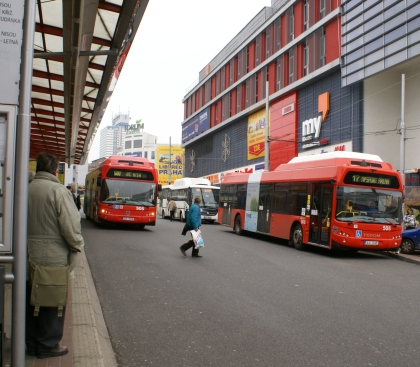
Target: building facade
pixel 334 83
pixel 112 137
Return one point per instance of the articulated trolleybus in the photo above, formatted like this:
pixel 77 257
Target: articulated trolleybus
pixel 122 190
pixel 338 200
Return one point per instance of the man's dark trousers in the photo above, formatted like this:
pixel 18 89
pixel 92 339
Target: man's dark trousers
pixel 172 213
pixel 188 245
pixel 43 332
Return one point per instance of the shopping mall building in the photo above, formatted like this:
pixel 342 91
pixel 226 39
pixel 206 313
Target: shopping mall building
pixel 334 73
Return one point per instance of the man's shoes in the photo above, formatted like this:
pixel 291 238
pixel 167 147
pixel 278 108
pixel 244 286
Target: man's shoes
pixel 183 252
pixel 30 352
pixel 53 352
pixel 197 256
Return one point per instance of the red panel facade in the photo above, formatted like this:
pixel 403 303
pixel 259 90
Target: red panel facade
pixel 283 30
pixel 299 56
pixel 332 39
pixel 283 131
pixel 213 115
pixel 298 18
pixel 251 56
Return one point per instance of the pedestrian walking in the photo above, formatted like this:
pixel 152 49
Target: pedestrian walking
pixel 53 238
pixel 193 223
pixel 172 208
pixel 410 219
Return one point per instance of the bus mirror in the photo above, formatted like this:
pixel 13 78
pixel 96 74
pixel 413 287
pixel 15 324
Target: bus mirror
pixel 159 187
pixel 99 181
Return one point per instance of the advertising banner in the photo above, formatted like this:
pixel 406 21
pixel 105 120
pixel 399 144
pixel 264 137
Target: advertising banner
pixel 173 162
pixel 197 125
pixel 11 25
pixel 256 135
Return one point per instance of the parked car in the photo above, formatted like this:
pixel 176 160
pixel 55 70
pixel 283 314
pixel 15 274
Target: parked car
pixel 410 241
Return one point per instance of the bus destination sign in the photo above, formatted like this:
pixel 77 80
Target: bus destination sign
pixel 381 181
pixel 131 174
pixel 357 178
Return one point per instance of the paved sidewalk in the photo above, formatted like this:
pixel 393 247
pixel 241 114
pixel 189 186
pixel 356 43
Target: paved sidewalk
pixel 85 333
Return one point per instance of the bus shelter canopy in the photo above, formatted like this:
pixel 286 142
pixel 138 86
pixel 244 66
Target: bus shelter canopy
pixel 79 50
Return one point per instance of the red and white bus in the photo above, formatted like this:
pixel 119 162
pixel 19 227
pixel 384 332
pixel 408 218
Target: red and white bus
pixel 338 200
pixel 122 190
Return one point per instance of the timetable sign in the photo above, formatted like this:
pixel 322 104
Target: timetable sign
pixel 11 35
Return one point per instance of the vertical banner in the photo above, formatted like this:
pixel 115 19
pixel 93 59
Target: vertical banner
pixel 256 135
pixel 11 26
pixel 166 162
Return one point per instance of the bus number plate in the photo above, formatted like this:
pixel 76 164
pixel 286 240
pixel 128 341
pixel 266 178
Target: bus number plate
pixel 126 218
pixel 371 243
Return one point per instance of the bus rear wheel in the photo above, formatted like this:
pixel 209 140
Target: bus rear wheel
pixel 297 237
pixel 238 229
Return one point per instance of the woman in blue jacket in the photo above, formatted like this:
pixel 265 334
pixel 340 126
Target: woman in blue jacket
pixel 193 223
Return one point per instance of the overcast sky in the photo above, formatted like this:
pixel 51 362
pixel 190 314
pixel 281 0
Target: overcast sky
pixel 174 42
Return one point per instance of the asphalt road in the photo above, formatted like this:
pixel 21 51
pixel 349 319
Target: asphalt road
pixel 250 301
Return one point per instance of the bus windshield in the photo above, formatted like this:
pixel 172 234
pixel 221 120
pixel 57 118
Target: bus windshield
pixel 209 197
pixel 368 205
pixel 128 192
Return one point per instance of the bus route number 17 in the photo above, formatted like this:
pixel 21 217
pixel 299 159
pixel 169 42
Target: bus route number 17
pixel 139 207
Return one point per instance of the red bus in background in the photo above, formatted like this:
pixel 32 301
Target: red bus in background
pixel 122 190
pixel 338 200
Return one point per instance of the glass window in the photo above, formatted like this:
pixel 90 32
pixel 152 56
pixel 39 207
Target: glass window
pixel 355 66
pixel 305 15
pixel 354 55
pixel 355 33
pixel 414 50
pixel 368 205
pixel 138 144
pixel 373 23
pixel 371 13
pixel 355 77
pixel 414 11
pixel 357 11
pixel 128 144
pixel 291 66
pixel 413 37
pixel 414 24
pixel 374 34
pixel 394 10
pixel 322 58
pixel 374 45
pixel 370 59
pixel 322 9
pixel 395 22
pixel 145 154
pixel 396 33
pixel 153 155
pixel 305 58
pixel 355 44
pixel 396 46
pixel 395 59
pixel 375 68
pixel 130 191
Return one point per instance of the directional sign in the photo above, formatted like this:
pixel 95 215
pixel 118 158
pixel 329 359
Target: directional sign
pixel 11 34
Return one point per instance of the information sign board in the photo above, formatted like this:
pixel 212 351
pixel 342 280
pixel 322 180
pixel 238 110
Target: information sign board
pixel 11 35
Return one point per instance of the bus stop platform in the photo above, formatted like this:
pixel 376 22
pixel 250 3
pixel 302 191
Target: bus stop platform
pixel 85 333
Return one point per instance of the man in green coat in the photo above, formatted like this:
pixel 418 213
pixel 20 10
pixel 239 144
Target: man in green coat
pixel 54 239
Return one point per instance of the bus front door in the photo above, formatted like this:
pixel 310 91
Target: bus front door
pixel 320 224
pixel 264 219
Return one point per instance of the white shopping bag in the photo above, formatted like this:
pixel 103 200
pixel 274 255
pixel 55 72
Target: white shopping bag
pixel 197 238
